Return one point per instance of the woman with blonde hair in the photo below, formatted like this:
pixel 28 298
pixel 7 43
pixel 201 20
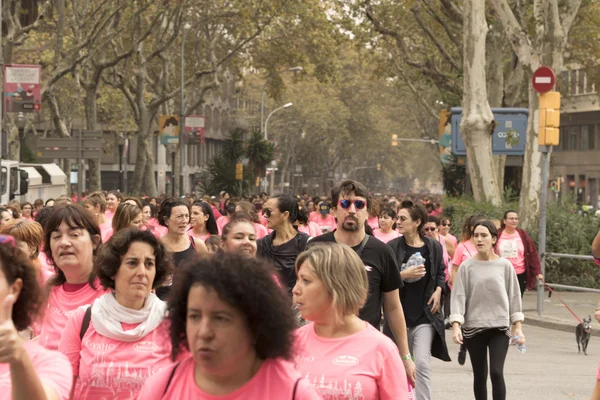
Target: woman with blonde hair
pixel 338 347
pixel 30 236
pixel 127 216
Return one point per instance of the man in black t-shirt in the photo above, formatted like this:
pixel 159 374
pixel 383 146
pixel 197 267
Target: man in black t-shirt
pixel 350 202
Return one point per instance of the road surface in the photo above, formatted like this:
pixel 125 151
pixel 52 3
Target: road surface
pixel 551 369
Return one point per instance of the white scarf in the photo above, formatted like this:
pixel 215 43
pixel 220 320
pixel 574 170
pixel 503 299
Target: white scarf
pixel 108 314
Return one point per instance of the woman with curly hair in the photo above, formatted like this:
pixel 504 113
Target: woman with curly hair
pixel 229 313
pixel 31 371
pixel 124 329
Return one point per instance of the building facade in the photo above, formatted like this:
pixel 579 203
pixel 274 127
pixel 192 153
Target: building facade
pixel 575 162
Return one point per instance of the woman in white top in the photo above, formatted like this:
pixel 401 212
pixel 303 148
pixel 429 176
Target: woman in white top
pixel 486 301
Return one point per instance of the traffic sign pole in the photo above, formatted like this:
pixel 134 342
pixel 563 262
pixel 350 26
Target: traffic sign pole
pixel 543 81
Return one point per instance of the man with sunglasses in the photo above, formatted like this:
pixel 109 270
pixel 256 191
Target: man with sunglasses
pixel 350 202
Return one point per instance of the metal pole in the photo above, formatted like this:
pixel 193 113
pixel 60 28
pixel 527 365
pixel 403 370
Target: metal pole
pixel 121 167
pixel 262 107
pixel 182 117
pixel 272 186
pixel 173 173
pixel 126 151
pixel 79 164
pixel 545 150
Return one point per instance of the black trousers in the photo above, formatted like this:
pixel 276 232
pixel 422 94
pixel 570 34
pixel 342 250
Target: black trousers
pixel 496 341
pixel 522 278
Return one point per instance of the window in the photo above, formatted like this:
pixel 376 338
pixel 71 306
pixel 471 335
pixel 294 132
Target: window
pixel 572 141
pixel 584 141
pixel 591 137
pixel 3 173
pixel 564 82
pixel 580 81
pixel 573 83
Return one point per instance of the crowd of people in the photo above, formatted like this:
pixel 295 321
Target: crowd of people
pixel 345 296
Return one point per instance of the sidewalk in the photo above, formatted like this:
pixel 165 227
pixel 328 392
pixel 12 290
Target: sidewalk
pixel 556 316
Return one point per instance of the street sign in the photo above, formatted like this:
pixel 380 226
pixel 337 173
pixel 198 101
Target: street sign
pixel 543 80
pixel 69 154
pixel 168 129
pixel 22 88
pixel 69 143
pixel 194 128
pixel 509 134
pixel 239 171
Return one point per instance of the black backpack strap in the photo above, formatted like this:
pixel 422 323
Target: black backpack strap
pixel 170 379
pixel 86 322
pixel 295 387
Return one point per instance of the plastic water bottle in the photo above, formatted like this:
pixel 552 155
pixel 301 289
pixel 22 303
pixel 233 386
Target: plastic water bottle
pixel 414 260
pixel 521 347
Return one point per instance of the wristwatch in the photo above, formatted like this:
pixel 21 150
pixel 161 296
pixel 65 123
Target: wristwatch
pixel 406 357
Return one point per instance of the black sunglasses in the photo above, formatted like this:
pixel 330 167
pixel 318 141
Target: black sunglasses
pixel 448 224
pixel 359 204
pixel 429 229
pixel 266 212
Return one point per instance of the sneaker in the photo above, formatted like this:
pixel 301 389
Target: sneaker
pixel 462 355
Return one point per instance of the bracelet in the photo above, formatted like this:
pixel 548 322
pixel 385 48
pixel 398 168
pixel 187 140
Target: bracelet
pixel 406 357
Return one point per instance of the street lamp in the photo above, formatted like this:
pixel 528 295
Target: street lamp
pixel 266 126
pixel 186 29
pixel 273 112
pixel 262 93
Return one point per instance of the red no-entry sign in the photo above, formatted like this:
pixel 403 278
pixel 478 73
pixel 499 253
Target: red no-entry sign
pixel 543 80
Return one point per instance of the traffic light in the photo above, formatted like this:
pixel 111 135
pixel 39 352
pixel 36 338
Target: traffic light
pixel 394 140
pixel 549 119
pixel 553 186
pixel 378 167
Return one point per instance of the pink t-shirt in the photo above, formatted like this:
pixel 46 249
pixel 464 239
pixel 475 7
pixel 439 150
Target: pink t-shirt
pixel 365 365
pixel 311 229
pixel 216 212
pixel 385 237
pixel 106 231
pixel 109 215
pixel 463 251
pixel 442 240
pixel 261 231
pixel 221 222
pixel 44 261
pixel 52 368
pixel 201 237
pixel 61 304
pixel 452 239
pixel 274 380
pixel 373 222
pixel 510 246
pixel 326 224
pixel 112 369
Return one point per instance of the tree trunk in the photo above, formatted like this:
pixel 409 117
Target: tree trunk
pixel 141 158
pixel 477 122
pixel 91 116
pixel 149 185
pixel 495 88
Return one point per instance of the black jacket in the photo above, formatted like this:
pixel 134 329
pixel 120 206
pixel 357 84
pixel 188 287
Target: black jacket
pixel 439 349
pixel 283 259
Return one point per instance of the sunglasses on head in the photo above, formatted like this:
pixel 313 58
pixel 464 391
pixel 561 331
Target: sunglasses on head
pixel 359 204
pixel 429 229
pixel 266 212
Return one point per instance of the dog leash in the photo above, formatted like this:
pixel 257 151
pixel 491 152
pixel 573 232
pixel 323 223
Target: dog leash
pixel 561 300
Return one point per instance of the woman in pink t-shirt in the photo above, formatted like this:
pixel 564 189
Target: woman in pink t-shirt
pixel 247 207
pixel 239 235
pixel 123 338
pixel 516 246
pixel 202 221
pixel 342 356
pixel 127 216
pixel 306 226
pixel 27 209
pixel 71 239
pixel 387 223
pixel 227 310
pixel 27 370
pixel 96 204
pixel 30 236
pixel 445 225
pixel 465 249
pixel 113 199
